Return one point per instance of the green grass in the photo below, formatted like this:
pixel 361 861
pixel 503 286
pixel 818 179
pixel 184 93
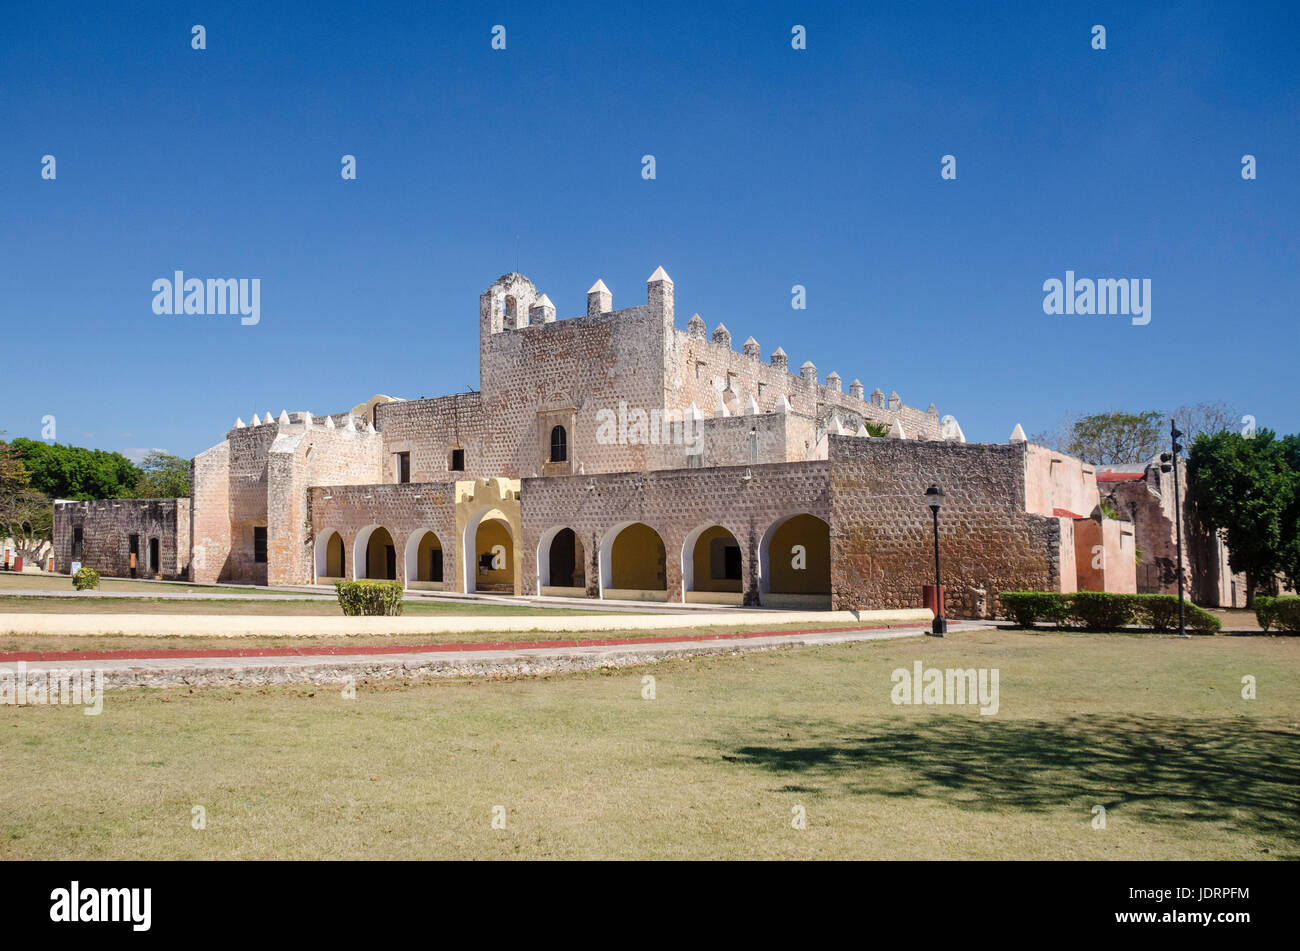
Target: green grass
pixel 29 581
pixel 267 607
pixel 1153 728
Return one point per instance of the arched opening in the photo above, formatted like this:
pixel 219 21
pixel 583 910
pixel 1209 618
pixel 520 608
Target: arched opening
pixel 633 564
pixel 711 567
pixel 795 563
pixel 374 555
pixel 559 444
pixel 561 564
pixel 331 559
pixel 424 564
pixel 489 553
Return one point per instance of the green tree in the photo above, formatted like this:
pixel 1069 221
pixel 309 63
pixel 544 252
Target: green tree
pixel 74 472
pixel 163 476
pixel 1245 488
pixel 26 515
pixel 1115 438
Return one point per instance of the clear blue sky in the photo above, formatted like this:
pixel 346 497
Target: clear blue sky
pixel 775 168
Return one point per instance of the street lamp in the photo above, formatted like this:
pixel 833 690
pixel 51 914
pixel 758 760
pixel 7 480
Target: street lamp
pixel 934 497
pixel 1169 460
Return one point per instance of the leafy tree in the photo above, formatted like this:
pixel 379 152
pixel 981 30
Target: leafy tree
pixel 163 476
pixel 73 472
pixel 1246 489
pixel 1120 438
pixel 26 515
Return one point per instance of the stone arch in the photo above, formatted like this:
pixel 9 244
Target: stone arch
pixel 712 566
pixel 782 582
pixel 330 557
pixel 633 563
pixel 561 563
pixel 425 559
pixel 488 533
pixel 374 554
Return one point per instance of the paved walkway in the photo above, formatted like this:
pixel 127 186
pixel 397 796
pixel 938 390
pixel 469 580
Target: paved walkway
pixel 273 665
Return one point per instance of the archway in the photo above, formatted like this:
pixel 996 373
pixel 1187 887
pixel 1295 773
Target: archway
pixel 633 564
pixel 561 564
pixel 374 555
pixel 711 567
pixel 424 560
pixel 331 557
pixel 795 563
pixel 489 550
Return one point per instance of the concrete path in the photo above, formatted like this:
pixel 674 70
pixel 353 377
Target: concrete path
pixel 261 666
pixel 243 625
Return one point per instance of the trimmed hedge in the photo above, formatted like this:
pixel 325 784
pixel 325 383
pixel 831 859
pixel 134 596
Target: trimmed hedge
pixel 369 597
pixel 1282 613
pixel 1105 611
pixel 85 579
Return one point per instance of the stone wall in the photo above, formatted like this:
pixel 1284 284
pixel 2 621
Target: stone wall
pixel 107 527
pixel 882 547
pixel 676 504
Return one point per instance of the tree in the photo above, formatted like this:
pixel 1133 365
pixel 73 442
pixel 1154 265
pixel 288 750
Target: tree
pixel 1119 438
pixel 26 515
pixel 1290 558
pixel 163 476
pixel 1245 489
pixel 1206 418
pixel 73 472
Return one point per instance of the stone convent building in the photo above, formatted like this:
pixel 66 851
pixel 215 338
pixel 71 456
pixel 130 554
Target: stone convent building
pixel 616 454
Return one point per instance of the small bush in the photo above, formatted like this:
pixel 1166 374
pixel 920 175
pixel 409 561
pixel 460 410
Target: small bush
pixel 1202 621
pixel 1157 611
pixel 1282 613
pixel 85 579
pixel 369 597
pixel 1102 610
pixel 1026 607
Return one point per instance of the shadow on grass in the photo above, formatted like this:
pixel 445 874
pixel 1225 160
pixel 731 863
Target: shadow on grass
pixel 1230 773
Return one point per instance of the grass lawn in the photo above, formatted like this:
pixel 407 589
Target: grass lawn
pixel 264 607
pixel 30 581
pixel 1153 728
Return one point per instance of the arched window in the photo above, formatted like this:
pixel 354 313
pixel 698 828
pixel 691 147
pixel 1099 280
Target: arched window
pixel 559 445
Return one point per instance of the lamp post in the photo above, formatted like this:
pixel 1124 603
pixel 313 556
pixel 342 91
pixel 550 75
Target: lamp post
pixel 934 496
pixel 1170 460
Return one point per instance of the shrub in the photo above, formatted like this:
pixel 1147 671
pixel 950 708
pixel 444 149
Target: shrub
pixel 1282 613
pixel 1026 607
pixel 1157 611
pixel 85 578
pixel 1202 621
pixel 1101 610
pixel 369 597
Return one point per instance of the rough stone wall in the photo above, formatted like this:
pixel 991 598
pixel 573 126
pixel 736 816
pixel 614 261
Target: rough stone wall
pixel 882 547
pixel 674 503
pixel 404 510
pixel 210 513
pixel 106 529
pixel 1151 513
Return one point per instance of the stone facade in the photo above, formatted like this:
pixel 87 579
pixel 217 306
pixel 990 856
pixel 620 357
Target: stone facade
pixel 103 535
pixel 613 454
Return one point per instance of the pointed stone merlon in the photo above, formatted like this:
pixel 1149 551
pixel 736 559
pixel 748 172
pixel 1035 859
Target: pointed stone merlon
pixel 239 422
pixel 750 348
pixel 329 422
pixel 895 401
pixel 1018 434
pixel 268 421
pixel 542 312
pixel 856 390
pixel 931 410
pixel 659 294
pixel 783 404
pixel 896 431
pixel 721 335
pixel 284 417
pixel 695 328
pixel 780 360
pixel 751 407
pixel 861 430
pixel 808 370
pixel 834 382
pixel 599 300
pixel 877 397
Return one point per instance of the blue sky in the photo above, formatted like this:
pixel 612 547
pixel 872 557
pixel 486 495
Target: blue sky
pixel 774 168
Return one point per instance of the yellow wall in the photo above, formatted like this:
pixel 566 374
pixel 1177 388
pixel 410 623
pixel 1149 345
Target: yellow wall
pixel 637 560
pixel 703 580
pixel 428 549
pixel 492 532
pixel 815 578
pixel 376 554
pixel 334 561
